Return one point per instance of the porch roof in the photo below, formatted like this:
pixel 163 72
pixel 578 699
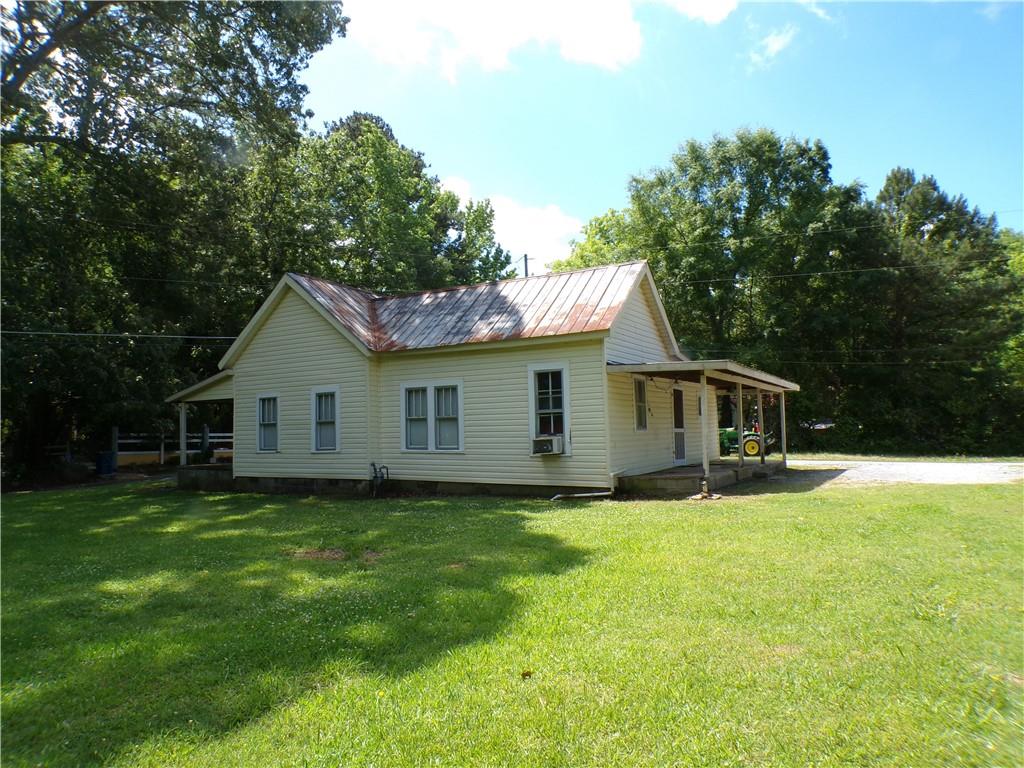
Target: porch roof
pixel 723 372
pixel 206 390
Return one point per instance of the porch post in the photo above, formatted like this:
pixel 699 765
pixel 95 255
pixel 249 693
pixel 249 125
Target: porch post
pixel 782 428
pixel 182 435
pixel 760 422
pixel 739 422
pixel 704 424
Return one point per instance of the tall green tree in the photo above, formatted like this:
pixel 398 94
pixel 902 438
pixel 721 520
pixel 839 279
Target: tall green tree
pixel 893 315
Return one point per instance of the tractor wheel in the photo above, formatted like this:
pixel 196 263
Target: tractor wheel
pixel 751 446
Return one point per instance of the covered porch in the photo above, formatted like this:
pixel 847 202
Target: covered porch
pixel 747 389
pixel 216 388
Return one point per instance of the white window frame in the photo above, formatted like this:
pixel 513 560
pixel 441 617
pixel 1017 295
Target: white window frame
pixel 430 385
pixel 532 370
pixel 325 390
pixel 647 415
pixel 259 432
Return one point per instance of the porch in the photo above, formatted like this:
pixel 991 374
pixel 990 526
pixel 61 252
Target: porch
pixel 686 480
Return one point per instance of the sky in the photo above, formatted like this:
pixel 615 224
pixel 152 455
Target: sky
pixel 549 107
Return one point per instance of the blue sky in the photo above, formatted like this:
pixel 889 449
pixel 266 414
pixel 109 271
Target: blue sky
pixel 547 108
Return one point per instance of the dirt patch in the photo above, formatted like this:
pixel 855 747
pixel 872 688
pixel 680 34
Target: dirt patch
pixel 321 554
pixel 455 567
pixel 370 557
pixel 786 651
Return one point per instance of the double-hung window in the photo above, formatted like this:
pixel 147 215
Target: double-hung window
pixel 432 416
pixel 324 422
pixel 549 402
pixel 266 407
pixel 640 404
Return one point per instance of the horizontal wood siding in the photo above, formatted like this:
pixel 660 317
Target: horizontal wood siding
pixel 496 416
pixel 634 452
pixel 295 350
pixel 637 335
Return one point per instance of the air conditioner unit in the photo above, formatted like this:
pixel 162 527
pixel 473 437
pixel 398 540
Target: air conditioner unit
pixel 548 446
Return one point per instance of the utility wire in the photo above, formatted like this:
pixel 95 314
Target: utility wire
pixel 117 335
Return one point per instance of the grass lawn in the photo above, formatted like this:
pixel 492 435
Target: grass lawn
pixel 786 625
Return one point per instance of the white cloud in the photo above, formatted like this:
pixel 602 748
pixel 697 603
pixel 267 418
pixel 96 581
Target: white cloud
pixel 451 34
pixel 771 45
pixel 812 6
pixel 708 11
pixel 542 232
pixel 992 11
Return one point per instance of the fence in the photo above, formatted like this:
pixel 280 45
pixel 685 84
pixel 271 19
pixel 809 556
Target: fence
pixel 162 448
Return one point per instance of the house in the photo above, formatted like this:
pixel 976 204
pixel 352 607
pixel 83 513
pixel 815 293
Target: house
pixel 569 381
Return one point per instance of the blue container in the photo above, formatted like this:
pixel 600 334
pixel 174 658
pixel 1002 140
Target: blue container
pixel 106 463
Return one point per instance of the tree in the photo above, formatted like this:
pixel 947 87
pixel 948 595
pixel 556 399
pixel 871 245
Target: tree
pixel 875 308
pixel 126 76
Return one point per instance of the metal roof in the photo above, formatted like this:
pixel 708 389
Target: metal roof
pixel 523 308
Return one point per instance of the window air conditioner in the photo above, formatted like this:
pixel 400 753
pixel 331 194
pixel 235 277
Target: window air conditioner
pixel 548 446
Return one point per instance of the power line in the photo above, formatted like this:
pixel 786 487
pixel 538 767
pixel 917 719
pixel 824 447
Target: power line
pixel 118 335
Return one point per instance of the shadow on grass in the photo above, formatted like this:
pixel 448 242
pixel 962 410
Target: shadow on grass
pixel 786 481
pixel 133 611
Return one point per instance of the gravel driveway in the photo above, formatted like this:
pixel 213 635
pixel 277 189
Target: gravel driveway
pixel 940 472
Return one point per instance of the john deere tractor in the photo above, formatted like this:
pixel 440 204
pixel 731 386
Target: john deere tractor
pixel 728 442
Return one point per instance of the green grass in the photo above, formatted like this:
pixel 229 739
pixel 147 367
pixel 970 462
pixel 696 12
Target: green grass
pixel 786 625
pixel 802 456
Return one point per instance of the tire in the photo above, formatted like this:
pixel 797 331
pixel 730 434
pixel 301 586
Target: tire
pixel 751 447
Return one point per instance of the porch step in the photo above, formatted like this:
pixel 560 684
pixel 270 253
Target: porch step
pixel 680 482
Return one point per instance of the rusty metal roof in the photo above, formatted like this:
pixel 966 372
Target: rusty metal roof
pixel 523 308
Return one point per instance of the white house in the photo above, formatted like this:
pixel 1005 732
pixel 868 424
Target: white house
pixel 568 380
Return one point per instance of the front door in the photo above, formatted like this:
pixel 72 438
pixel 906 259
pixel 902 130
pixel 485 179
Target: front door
pixel 679 425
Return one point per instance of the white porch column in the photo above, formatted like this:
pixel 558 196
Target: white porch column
pixel 760 422
pixel 704 424
pixel 782 428
pixel 182 435
pixel 739 422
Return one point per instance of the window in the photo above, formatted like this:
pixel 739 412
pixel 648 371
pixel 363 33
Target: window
pixel 446 418
pixel 323 410
pixel 416 419
pixel 267 410
pixel 640 404
pixel 550 413
pixel 549 402
pixel 432 416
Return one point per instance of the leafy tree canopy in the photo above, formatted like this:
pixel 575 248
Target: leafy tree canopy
pixel 897 316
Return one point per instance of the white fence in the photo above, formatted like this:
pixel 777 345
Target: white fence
pixel 162 448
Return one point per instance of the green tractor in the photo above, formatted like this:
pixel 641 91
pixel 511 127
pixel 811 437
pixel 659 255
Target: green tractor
pixel 728 442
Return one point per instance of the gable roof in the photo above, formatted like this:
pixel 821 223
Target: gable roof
pixel 557 304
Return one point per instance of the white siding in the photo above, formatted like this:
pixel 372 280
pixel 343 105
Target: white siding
pixel 294 351
pixel 635 452
pixel 637 335
pixel 496 417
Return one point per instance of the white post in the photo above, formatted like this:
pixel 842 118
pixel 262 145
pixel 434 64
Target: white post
pixel 704 424
pixel 182 435
pixel 760 423
pixel 739 422
pixel 782 428
pixel 163 456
